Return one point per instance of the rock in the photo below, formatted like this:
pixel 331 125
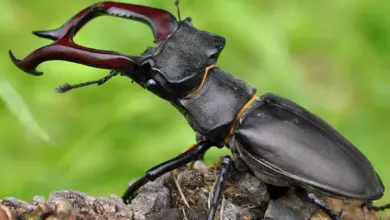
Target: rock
pixel 152 198
pixel 245 197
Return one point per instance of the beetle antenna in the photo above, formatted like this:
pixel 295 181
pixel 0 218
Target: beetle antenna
pixel 66 87
pixel 177 2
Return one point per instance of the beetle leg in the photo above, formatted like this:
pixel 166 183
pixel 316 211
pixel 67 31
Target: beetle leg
pixel 370 206
pixel 165 167
pixel 66 87
pixel 218 189
pixel 198 138
pixel 323 206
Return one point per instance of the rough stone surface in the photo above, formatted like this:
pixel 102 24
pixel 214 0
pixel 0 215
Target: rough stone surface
pixel 245 197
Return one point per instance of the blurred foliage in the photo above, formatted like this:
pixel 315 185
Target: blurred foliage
pixel 330 56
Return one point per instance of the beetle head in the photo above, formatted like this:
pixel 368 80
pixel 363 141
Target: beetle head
pixel 172 68
pixel 175 66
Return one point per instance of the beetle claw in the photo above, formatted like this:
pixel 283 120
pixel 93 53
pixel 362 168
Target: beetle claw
pixel 17 63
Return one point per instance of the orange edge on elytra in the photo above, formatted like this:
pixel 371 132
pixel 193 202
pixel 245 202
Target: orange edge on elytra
pixel 203 81
pixel 238 117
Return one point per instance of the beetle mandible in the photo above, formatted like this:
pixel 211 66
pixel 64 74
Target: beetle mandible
pixel 282 143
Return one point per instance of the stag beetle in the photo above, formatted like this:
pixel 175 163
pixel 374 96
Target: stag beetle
pixel 282 143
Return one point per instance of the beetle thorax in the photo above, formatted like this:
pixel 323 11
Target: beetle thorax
pixel 213 110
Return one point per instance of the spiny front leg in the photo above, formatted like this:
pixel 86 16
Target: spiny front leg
pixel 159 170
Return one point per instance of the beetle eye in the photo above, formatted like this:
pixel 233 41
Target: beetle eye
pixel 188 21
pixel 151 83
pixel 155 87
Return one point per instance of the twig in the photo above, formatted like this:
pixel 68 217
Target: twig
pixel 180 191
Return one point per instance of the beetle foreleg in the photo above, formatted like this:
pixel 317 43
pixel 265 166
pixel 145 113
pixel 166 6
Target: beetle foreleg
pixel 157 171
pixel 198 138
pixel 323 206
pixel 217 191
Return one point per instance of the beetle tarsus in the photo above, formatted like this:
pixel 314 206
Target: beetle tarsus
pixel 165 167
pixel 323 206
pixel 129 194
pixel 370 206
pixel 66 87
pixel 218 189
pixel 63 88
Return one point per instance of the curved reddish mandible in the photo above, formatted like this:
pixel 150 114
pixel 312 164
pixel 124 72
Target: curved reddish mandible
pixel 161 22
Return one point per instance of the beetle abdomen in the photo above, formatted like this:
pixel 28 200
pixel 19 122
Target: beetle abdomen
pixel 297 144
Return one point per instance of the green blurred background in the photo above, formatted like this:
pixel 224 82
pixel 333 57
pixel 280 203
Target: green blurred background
pixel 330 56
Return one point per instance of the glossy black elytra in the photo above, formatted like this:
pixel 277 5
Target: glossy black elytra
pixel 282 143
